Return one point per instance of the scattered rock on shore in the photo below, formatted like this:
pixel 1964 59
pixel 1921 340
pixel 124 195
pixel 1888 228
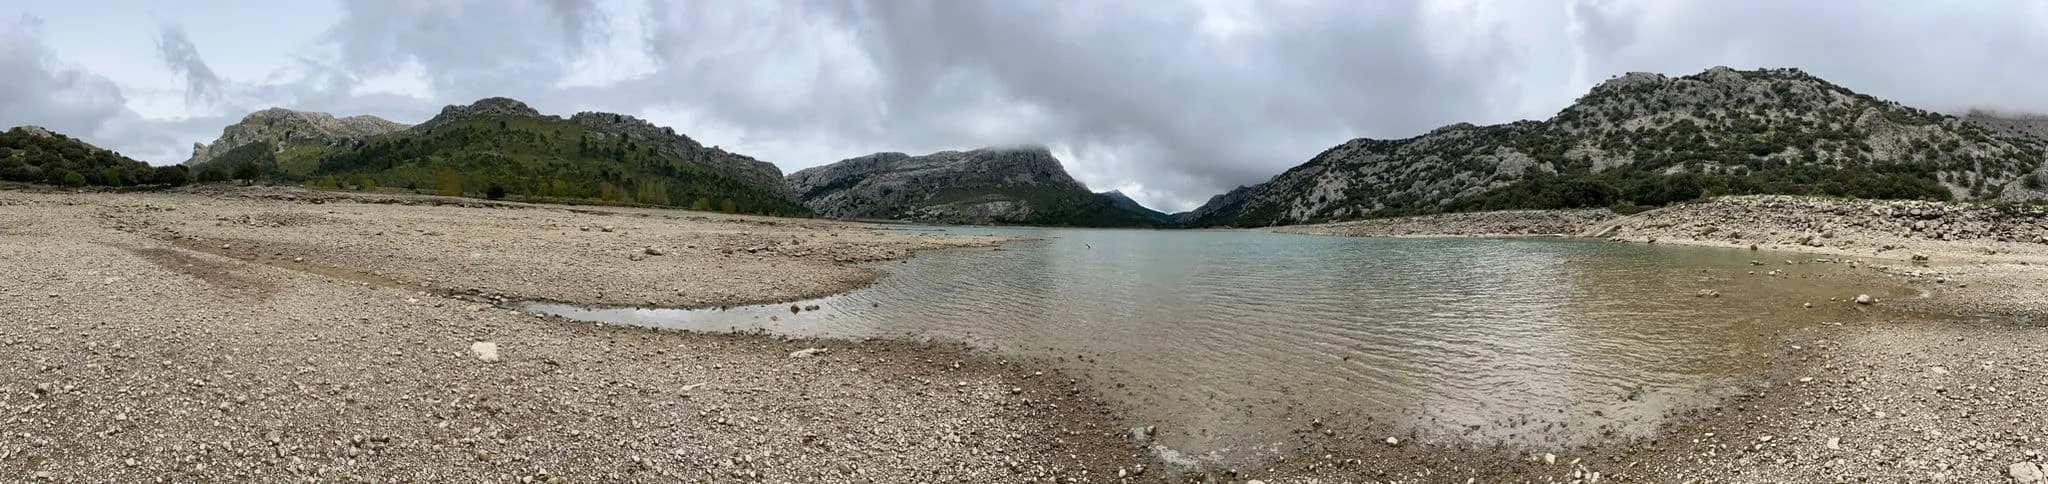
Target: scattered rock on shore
pixel 484 350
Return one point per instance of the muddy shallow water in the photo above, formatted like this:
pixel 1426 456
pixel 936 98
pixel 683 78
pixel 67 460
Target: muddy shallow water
pixel 1227 342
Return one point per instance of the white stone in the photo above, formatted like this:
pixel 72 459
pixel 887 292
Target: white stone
pixel 806 352
pixel 484 350
pixel 2025 473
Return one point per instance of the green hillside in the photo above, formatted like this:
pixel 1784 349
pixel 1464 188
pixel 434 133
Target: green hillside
pixel 517 157
pixel 34 155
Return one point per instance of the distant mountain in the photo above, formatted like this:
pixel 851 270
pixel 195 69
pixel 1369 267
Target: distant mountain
pixel 2011 124
pixel 291 130
pixel 1648 139
pixel 31 154
pixel 1025 186
pixel 1119 200
pixel 499 147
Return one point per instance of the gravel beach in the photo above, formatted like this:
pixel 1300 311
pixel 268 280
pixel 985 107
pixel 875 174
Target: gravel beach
pixel 1949 387
pixel 270 335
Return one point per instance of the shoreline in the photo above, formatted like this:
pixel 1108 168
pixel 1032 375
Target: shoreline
pixel 314 358
pixel 1947 388
pixel 307 358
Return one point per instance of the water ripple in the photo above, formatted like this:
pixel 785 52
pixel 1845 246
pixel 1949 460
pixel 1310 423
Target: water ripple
pixel 1229 340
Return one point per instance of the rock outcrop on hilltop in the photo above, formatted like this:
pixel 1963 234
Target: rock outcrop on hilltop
pixel 985 186
pixel 490 107
pixel 288 129
pixel 1649 139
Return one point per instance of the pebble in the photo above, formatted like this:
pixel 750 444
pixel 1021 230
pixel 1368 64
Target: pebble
pixel 1393 441
pixel 1834 443
pixel 485 351
pixel 2025 473
pixel 806 352
pixel 1865 299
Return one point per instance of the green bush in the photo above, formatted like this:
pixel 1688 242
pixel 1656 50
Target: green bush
pixel 74 179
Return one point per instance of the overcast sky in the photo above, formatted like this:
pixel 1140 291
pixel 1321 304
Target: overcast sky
pixel 1169 101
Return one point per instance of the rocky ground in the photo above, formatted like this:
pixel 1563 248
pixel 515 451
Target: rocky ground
pixel 1948 389
pixel 274 335
pixel 259 334
pixel 1509 223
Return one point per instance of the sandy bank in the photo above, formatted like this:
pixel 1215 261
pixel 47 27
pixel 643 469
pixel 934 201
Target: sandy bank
pixel 259 336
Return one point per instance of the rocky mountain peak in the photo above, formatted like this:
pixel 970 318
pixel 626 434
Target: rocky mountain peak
pixel 1013 184
pixel 1721 130
pixel 290 128
pixel 490 107
pixel 36 131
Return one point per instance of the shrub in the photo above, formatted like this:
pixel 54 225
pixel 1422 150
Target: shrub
pixel 74 179
pixel 247 172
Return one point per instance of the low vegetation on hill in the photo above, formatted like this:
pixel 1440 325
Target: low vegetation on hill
pixel 1647 140
pixel 30 154
pixel 504 152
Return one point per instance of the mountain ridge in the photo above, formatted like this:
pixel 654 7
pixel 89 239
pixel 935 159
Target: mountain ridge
pixel 304 135
pixel 1021 185
pixel 1650 139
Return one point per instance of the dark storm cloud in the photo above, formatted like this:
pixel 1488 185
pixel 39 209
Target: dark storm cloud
pixel 202 86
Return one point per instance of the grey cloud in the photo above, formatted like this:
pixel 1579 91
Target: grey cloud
pixel 467 48
pixel 178 53
pixel 1196 114
pixel 1167 96
pixel 40 90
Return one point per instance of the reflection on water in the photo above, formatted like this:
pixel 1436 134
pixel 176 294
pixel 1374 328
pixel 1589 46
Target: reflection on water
pixel 1229 341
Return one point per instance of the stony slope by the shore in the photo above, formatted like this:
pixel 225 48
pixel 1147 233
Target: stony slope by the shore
pixel 270 336
pixel 1509 223
pixel 1949 388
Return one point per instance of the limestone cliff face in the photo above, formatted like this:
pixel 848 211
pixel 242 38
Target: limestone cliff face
pixel 1761 131
pixel 985 186
pixel 291 129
